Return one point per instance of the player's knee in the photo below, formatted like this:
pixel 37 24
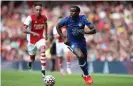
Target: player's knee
pixel 80 55
pixel 42 58
pixel 32 57
pixel 42 51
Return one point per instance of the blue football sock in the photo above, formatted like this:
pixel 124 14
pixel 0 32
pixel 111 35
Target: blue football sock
pixel 84 66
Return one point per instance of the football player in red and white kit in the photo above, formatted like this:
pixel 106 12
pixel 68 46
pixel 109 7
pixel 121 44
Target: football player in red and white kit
pixel 35 26
pixel 62 50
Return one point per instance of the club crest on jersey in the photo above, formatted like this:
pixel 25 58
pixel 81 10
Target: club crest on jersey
pixel 79 24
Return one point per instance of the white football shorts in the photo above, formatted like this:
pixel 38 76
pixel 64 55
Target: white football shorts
pixel 32 48
pixel 61 49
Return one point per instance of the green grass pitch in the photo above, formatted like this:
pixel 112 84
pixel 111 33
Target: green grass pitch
pixel 33 78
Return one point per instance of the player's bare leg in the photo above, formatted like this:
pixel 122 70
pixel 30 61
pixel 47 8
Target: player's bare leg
pixel 43 60
pixel 83 65
pixel 32 59
pixel 60 62
pixel 53 60
pixel 68 62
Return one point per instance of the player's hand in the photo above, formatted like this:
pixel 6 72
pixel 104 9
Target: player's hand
pixel 35 34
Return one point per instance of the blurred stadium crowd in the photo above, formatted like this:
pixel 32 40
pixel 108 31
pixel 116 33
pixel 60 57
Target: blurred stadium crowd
pixel 113 21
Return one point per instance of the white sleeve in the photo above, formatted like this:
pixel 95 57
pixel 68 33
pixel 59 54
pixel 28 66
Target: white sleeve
pixel 27 20
pixel 54 31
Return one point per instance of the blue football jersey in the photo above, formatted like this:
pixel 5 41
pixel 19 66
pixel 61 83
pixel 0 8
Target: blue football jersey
pixel 75 28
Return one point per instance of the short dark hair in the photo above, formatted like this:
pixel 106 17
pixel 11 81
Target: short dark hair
pixel 37 4
pixel 76 7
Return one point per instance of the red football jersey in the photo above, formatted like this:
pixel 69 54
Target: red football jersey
pixel 36 25
pixel 60 39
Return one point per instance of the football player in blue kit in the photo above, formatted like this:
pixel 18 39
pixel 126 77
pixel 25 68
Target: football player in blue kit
pixel 75 39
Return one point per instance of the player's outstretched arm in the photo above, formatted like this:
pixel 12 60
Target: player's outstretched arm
pixel 92 30
pixel 58 28
pixel 25 30
pixel 89 25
